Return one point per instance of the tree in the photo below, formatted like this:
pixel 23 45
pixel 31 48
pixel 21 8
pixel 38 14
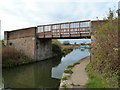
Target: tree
pixel 66 43
pixel 111 14
pixel 75 43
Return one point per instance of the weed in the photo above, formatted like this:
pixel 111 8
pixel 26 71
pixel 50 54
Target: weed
pixel 70 66
pixel 64 78
pixel 68 71
pixel 76 63
pixel 65 86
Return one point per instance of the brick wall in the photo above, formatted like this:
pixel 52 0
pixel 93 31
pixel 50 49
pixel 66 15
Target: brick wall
pixel 26 41
pixel 20 33
pixel 23 40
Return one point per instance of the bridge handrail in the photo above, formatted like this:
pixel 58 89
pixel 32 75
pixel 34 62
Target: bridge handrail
pixel 77 27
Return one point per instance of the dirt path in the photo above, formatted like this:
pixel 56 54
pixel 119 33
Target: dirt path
pixel 79 78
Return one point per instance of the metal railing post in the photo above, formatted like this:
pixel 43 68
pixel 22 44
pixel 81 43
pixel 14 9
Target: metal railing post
pixel 69 30
pixel 60 30
pixel 79 29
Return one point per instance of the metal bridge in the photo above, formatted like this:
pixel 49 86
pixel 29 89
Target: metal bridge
pixel 78 29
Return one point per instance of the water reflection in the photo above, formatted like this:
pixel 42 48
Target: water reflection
pixel 44 74
pixel 69 59
pixel 37 75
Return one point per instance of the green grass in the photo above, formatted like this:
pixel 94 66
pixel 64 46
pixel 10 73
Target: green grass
pixel 76 63
pixel 70 66
pixel 64 78
pixel 94 80
pixel 68 71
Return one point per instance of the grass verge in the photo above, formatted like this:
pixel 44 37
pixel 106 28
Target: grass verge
pixel 95 81
pixel 71 66
pixel 76 63
pixel 68 71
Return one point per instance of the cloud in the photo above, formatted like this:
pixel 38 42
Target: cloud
pixel 16 14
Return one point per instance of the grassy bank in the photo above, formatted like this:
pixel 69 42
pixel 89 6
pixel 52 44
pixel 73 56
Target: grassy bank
pixel 105 62
pixel 95 80
pixel 99 80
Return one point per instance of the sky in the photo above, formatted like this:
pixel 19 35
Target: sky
pixel 16 14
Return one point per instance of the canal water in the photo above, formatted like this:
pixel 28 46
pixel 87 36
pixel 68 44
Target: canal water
pixel 43 74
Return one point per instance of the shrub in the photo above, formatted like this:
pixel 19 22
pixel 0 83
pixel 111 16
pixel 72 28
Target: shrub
pixel 105 54
pixel 56 42
pixel 56 47
pixel 66 43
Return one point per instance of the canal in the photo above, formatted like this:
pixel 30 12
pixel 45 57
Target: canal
pixel 43 74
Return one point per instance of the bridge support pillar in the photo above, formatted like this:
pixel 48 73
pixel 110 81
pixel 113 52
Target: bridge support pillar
pixel 43 49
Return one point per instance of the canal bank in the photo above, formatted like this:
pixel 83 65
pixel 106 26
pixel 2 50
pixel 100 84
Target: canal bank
pixel 44 74
pixel 75 75
pixel 10 63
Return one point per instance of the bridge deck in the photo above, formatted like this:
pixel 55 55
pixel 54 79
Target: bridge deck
pixel 79 29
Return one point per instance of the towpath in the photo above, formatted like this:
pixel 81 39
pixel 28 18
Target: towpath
pixel 79 77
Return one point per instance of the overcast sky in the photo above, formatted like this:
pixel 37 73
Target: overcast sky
pixel 15 14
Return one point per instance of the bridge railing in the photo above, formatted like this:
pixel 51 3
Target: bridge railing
pixel 69 29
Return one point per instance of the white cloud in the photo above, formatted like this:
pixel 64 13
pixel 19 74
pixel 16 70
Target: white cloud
pixel 16 14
